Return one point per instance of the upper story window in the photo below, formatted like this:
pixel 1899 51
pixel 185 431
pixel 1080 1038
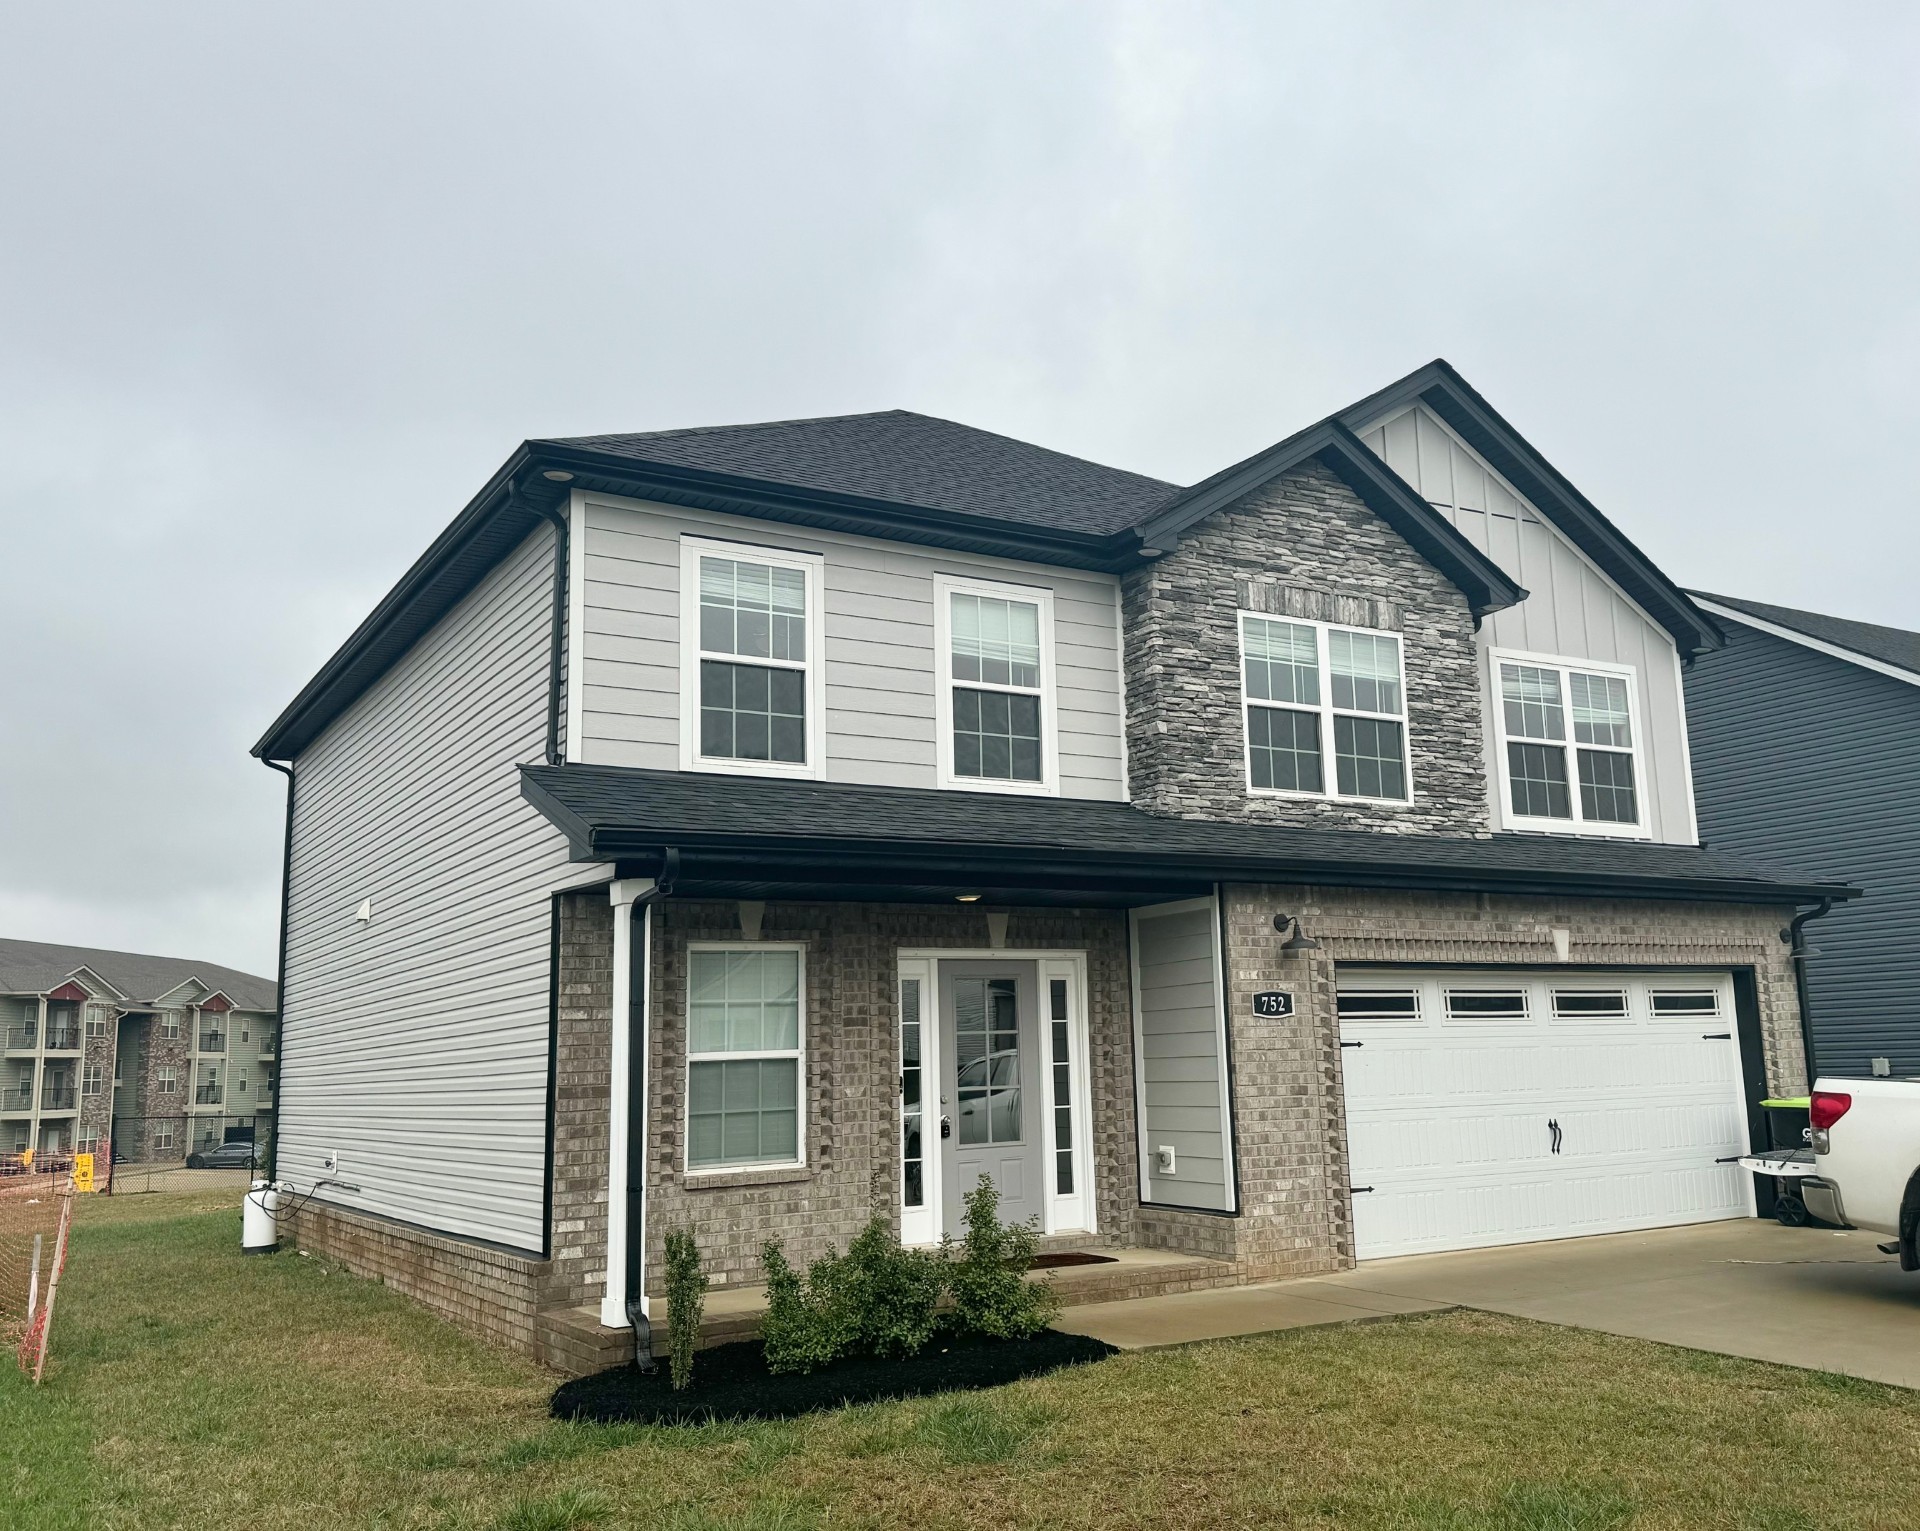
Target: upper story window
pixel 1325 710
pixel 751 680
pixel 1567 745
pixel 995 647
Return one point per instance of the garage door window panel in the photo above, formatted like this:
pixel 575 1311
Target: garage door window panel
pixel 1590 1004
pixel 1487 1005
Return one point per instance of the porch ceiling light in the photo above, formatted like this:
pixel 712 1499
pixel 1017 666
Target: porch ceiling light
pixel 557 476
pixel 968 898
pixel 1299 941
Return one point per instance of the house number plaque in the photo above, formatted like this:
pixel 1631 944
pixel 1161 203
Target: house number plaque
pixel 1273 1002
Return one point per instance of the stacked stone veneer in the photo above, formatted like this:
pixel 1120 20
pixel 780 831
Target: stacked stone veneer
pixel 1305 546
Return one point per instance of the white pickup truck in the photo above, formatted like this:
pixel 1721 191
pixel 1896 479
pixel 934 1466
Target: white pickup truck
pixel 1866 1156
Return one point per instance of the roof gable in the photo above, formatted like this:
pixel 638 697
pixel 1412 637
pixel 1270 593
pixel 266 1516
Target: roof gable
pixel 1476 422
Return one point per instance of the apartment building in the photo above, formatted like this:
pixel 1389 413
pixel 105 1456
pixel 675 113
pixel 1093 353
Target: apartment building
pixel 156 1055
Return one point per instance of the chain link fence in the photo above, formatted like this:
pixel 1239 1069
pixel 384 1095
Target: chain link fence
pixel 182 1152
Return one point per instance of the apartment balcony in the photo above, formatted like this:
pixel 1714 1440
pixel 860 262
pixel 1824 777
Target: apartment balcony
pixel 17 1100
pixel 23 1039
pixel 58 1098
pixel 206 1095
pixel 213 1041
pixel 63 1039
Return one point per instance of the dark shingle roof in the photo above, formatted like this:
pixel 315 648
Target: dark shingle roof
pixel 35 967
pixel 907 459
pixel 609 811
pixel 1890 645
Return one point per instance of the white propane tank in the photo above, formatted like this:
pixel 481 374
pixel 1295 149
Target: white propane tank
pixel 259 1227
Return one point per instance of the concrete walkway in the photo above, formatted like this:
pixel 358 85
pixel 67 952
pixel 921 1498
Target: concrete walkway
pixel 1800 1296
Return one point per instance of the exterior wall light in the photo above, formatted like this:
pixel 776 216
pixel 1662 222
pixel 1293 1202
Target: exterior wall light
pixel 968 898
pixel 557 476
pixel 1299 941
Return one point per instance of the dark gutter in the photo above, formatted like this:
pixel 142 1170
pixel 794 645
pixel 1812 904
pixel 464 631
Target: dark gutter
pixel 280 987
pixel 1795 937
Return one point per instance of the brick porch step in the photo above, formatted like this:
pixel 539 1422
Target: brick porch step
pixel 572 1340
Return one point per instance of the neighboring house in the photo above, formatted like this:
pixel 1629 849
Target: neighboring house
pixel 759 828
pixel 158 1054
pixel 1806 734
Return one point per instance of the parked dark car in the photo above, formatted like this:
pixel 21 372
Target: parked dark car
pixel 227 1156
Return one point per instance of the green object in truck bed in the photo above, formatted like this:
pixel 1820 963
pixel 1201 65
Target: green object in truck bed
pixel 1790 1103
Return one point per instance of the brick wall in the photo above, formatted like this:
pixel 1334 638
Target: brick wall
pixel 1304 545
pixel 851 1088
pixel 487 1290
pixel 1288 1110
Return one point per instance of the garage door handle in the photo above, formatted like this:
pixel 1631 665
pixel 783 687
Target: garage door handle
pixel 1716 1036
pixel 1553 1129
pixel 1353 1044
pixel 1358 1190
pixel 1735 1159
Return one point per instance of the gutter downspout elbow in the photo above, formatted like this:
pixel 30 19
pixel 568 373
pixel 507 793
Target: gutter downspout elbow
pixel 1798 953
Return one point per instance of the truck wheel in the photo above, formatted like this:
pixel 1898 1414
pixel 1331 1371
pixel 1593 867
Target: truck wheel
pixel 1791 1211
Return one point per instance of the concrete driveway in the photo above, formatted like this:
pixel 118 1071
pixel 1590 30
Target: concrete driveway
pixel 1799 1296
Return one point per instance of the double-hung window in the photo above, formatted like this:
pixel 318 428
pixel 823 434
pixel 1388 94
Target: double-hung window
pixel 995 652
pixel 745 1073
pixel 751 659
pixel 1567 743
pixel 1325 710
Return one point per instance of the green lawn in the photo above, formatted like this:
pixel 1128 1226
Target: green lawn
pixel 193 1388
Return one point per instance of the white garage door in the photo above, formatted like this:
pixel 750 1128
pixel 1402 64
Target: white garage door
pixel 1497 1106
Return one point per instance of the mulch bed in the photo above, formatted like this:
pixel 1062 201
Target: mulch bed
pixel 732 1381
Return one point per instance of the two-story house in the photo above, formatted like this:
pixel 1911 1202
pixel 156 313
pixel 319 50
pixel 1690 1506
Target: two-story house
pixel 757 828
pixel 1805 727
pixel 143 1057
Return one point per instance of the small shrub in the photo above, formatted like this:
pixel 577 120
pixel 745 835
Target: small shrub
pixel 686 1302
pixel 991 1293
pixel 806 1325
pixel 891 1293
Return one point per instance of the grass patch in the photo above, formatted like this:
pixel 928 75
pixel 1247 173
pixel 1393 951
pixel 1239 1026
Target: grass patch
pixel 192 1388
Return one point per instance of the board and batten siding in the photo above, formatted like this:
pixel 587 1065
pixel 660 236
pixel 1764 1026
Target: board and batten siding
pixel 415 1045
pixel 1811 762
pixel 1181 1055
pixel 879 643
pixel 1571 610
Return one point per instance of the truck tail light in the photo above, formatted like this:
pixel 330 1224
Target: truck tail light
pixel 1828 1107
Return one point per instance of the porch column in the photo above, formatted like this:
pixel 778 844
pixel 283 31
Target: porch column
pixel 629 1005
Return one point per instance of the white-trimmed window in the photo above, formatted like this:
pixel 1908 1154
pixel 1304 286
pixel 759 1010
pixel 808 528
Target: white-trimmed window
pixel 1569 745
pixel 169 1025
pixel 166 1080
pixel 97 1016
pixel 1325 710
pixel 746 1068
pixel 752 663
pixel 93 1079
pixel 996 714
pixel 163 1137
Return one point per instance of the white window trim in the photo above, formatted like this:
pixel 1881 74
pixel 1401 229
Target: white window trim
pixel 1636 721
pixel 945 588
pixel 1329 765
pixel 799 1054
pixel 813 566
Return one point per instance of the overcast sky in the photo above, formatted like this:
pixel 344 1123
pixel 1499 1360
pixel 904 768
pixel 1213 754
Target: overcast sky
pixel 280 285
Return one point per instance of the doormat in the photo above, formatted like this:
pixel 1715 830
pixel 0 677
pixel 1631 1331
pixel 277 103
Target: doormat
pixel 1068 1257
pixel 732 1382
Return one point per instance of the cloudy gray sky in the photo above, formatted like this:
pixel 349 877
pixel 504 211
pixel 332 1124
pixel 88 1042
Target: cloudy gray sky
pixel 280 286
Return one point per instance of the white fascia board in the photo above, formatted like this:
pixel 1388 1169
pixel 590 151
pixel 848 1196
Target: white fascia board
pixel 1818 645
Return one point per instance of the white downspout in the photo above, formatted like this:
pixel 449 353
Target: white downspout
pixel 613 1306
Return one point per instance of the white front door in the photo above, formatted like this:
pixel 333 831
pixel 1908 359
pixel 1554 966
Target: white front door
pixel 1500 1106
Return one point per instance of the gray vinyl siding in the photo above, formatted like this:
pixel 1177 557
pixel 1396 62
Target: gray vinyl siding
pixel 1813 763
pixel 1571 610
pixel 416 1045
pixel 1182 1070
pixel 879 642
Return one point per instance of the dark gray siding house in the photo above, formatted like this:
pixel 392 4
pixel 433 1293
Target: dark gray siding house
pixel 1806 746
